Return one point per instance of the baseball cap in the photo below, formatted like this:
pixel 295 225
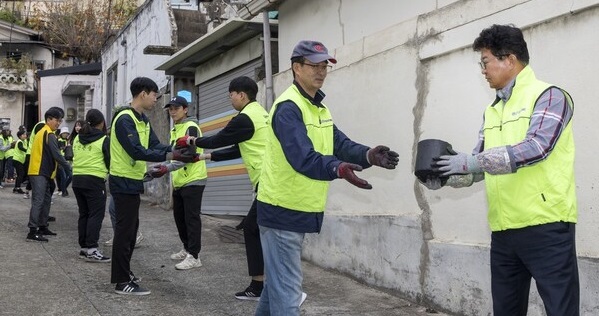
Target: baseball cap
pixel 177 101
pixel 64 129
pixel 313 51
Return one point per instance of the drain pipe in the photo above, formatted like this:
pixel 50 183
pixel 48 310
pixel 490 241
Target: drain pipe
pixel 267 60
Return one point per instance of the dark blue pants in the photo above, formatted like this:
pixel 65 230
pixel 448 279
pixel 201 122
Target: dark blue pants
pixel 546 253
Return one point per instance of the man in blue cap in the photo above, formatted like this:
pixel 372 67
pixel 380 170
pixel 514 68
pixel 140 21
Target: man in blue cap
pixel 304 152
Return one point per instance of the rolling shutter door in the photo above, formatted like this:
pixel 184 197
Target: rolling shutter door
pixel 228 190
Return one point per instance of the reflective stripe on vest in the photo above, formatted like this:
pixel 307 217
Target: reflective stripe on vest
pixel 538 194
pixel 121 164
pixel 252 150
pixel 88 159
pixel 280 184
pixel 191 171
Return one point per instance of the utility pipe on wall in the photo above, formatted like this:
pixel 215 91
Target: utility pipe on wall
pixel 267 61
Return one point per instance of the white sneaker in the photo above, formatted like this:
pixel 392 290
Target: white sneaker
pixel 108 242
pixel 180 255
pixel 188 263
pixel 138 240
pixel 304 295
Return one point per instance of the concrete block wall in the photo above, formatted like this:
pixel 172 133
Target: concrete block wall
pixel 412 77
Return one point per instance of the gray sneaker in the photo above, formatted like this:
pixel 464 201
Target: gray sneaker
pixel 96 256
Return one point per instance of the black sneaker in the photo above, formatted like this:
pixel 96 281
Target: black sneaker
pixel 18 191
pixel 46 232
pixel 96 256
pixel 36 237
pixel 51 219
pixel 250 294
pixel 82 254
pixel 130 288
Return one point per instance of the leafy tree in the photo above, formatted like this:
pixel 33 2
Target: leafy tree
pixel 81 27
pixel 9 16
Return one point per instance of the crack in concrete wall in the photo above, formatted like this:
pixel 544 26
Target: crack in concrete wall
pixel 341 24
pixel 422 88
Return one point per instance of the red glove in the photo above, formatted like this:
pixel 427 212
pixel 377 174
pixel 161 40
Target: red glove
pixel 382 156
pixel 346 171
pixel 158 171
pixel 185 141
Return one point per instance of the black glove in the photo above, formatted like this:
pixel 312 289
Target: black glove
pixel 383 156
pixel 186 155
pixel 346 171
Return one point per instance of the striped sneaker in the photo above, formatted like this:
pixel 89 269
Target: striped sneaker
pixel 249 294
pixel 96 256
pixel 130 288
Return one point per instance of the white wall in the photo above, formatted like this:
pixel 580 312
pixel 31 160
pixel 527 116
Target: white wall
pixel 337 22
pixel 151 26
pixel 50 92
pixel 405 73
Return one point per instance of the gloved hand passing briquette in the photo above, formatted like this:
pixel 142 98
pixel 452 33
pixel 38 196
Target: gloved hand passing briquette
pixel 157 171
pixel 460 163
pixel 382 156
pixel 186 155
pixel 346 171
pixel 185 141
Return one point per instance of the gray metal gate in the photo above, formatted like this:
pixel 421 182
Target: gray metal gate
pixel 228 191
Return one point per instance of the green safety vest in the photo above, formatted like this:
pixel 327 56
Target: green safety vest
pixel 19 155
pixel 252 150
pixel 121 164
pixel 280 184
pixel 4 142
pixel 88 159
pixel 191 171
pixel 538 194
pixel 11 151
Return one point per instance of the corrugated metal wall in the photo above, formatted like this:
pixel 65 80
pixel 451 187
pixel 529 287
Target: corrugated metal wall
pixel 224 195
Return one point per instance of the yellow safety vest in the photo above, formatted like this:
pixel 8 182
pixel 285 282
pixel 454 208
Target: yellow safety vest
pixel 41 160
pixel 252 150
pixel 88 159
pixel 280 184
pixel 19 155
pixel 121 164
pixel 538 194
pixel 191 171
pixel 11 151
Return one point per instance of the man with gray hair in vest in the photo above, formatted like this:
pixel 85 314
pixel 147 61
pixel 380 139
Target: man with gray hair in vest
pixel 525 154
pixel 304 152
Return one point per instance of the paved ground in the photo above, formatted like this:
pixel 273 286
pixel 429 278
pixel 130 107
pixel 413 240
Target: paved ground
pixel 50 279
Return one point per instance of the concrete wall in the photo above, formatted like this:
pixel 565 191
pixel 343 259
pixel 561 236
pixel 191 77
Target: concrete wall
pixel 153 25
pixel 407 71
pixel 50 92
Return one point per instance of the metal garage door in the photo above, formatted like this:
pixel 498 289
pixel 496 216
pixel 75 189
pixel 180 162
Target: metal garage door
pixel 228 191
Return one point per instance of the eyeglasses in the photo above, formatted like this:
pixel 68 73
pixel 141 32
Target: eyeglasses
pixel 318 67
pixel 483 64
pixel 58 120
